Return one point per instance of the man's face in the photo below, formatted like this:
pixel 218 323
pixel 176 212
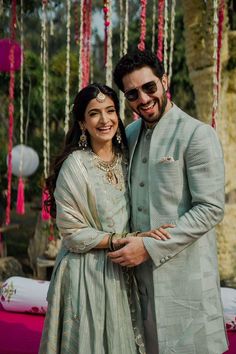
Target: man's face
pixel 148 95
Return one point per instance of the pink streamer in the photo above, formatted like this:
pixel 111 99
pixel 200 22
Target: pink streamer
pixel 45 213
pixel 20 204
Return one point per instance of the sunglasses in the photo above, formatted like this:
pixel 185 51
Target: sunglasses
pixel 148 88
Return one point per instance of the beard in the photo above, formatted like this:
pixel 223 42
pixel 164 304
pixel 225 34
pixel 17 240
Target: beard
pixel 161 102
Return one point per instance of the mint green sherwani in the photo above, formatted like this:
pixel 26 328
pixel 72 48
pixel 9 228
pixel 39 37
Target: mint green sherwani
pixel 185 185
pixel 88 305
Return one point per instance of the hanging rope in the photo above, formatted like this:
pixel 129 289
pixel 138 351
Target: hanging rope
pixel 142 39
pixel 11 109
pixel 161 5
pixel 67 88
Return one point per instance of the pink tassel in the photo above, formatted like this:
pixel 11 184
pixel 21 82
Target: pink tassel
pixel 20 204
pixel 44 214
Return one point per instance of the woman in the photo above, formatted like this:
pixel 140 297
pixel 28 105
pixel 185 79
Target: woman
pixel 88 306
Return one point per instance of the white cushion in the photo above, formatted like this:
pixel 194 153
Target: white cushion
pixel 21 294
pixel 228 296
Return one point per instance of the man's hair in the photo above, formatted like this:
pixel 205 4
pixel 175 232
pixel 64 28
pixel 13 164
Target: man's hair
pixel 136 60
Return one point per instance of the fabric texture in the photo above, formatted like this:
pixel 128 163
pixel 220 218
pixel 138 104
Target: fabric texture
pixel 186 188
pixel 88 304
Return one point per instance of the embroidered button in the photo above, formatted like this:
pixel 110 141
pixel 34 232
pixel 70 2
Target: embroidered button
pixel 140 208
pixel 141 184
pixel 144 160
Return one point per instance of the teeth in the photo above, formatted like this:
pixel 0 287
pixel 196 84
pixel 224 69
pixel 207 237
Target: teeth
pixel 149 106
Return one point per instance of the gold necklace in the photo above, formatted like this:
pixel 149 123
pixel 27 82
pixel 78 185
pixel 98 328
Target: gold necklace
pixel 113 170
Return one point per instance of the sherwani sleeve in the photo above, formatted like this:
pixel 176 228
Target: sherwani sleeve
pixel 205 175
pixel 77 218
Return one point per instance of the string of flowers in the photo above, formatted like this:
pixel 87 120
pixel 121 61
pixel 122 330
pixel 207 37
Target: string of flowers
pixel 161 4
pixel 107 10
pixel 154 15
pixel 44 54
pixel 85 43
pixel 67 88
pixel 172 31
pixel 121 13
pixel 218 19
pixel 76 22
pixel 20 203
pixel 80 69
pixel 166 20
pixel 11 110
pixel 141 45
pixel 124 47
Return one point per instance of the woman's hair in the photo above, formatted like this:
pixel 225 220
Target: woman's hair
pixel 72 138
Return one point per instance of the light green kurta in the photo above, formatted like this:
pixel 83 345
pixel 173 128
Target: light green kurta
pixel 88 309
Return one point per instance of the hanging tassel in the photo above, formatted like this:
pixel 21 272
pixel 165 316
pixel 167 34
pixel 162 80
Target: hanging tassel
pixel 20 204
pixel 45 212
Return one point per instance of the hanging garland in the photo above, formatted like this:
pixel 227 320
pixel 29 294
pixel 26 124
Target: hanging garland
pixel 107 10
pixel 153 24
pixel 85 43
pixel 45 213
pixel 218 19
pixel 67 88
pixel 141 45
pixel 165 35
pixel 80 69
pixel 172 31
pixel 20 204
pixel 123 47
pixel 11 110
pixel 161 5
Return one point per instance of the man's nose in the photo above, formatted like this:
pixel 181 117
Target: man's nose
pixel 143 97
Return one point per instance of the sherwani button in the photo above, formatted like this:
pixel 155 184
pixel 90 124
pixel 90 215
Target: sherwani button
pixel 144 160
pixel 141 184
pixel 140 208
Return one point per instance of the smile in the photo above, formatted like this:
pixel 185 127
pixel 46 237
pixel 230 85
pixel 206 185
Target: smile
pixel 147 107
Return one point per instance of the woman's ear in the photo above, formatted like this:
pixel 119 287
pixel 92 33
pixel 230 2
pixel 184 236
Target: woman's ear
pixel 81 125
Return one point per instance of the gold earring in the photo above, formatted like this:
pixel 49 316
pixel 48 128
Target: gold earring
pixel 118 136
pixel 83 139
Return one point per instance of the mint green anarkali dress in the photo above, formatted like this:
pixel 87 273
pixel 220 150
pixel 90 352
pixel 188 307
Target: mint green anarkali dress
pixel 89 307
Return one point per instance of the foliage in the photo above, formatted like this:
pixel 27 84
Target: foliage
pixel 181 89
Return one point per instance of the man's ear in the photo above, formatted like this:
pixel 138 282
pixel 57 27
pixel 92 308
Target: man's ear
pixel 165 82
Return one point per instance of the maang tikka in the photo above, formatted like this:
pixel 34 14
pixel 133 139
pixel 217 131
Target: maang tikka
pixel 83 139
pixel 100 96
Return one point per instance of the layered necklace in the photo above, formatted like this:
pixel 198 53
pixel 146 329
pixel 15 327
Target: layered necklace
pixel 113 170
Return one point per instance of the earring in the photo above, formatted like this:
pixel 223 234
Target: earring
pixel 118 136
pixel 83 140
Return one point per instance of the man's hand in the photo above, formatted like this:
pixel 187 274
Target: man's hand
pixel 132 254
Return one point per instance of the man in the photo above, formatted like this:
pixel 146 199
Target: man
pixel 176 176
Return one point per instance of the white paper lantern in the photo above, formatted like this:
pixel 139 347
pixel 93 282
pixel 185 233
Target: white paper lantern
pixel 25 160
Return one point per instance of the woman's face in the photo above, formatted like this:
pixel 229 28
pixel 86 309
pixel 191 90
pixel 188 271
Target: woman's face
pixel 101 121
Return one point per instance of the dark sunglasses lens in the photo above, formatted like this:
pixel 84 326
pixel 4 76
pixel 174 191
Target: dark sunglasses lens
pixel 131 95
pixel 150 87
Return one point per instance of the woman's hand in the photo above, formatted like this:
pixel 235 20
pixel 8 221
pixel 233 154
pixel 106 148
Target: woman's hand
pixel 158 234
